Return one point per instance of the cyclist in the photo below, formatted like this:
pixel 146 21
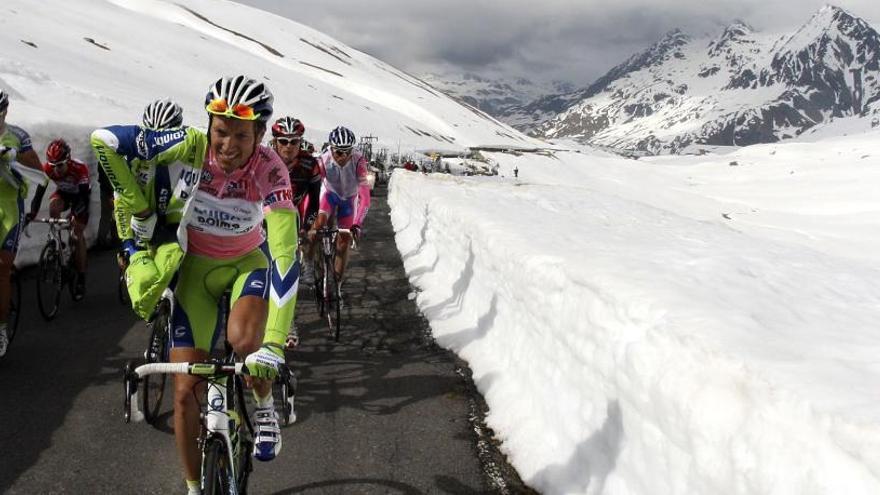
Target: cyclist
pixel 345 193
pixel 305 175
pixel 305 180
pixel 15 145
pixel 154 173
pixel 159 115
pixel 73 192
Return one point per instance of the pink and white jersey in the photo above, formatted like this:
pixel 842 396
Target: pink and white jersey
pixel 227 210
pixel 343 181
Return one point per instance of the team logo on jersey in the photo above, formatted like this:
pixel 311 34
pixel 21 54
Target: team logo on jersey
pixel 207 177
pixel 141 143
pixel 276 196
pixel 275 177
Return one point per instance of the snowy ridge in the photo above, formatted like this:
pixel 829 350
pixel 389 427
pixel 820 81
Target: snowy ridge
pixel 740 88
pixel 714 336
pixel 493 96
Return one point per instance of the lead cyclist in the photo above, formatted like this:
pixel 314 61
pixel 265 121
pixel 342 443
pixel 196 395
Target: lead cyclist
pixel 242 183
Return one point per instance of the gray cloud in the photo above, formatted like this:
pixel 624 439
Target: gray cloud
pixel 571 40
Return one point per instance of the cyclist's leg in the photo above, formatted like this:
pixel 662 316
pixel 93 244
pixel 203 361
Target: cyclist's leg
pixel 249 310
pixel 79 212
pixel 148 274
pixel 192 337
pixel 11 221
pixel 344 220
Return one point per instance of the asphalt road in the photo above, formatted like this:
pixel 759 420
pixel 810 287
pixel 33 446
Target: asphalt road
pixel 382 411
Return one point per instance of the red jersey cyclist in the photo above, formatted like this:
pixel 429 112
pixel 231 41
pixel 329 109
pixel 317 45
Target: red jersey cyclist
pixel 73 192
pixel 305 175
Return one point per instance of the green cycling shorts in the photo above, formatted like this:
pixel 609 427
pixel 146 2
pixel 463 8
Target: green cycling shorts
pixel 201 284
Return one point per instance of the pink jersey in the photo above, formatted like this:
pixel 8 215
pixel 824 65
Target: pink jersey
pixel 347 182
pixel 227 211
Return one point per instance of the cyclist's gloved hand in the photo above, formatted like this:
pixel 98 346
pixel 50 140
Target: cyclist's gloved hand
pixel 356 232
pixel 265 362
pixel 129 247
pixel 143 227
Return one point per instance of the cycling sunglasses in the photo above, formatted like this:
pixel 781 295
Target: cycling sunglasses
pixel 58 164
pixel 341 151
pixel 241 111
pixel 287 141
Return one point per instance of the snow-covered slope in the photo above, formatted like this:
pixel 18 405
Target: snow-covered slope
pixel 740 88
pixel 95 62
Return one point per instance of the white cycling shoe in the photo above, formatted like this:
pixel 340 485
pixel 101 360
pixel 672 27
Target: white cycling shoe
pixel 267 441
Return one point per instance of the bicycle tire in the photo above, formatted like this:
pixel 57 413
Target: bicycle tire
pixel 50 281
pixel 318 287
pixel 215 468
pixel 242 436
pixel 286 392
pixel 156 352
pixel 334 308
pixel 14 309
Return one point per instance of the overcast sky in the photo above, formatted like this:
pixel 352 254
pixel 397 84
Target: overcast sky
pixel 569 40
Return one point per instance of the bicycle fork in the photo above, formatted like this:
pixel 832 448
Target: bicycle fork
pixel 218 423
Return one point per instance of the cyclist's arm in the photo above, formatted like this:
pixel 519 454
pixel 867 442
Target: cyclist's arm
pixel 123 220
pixel 363 202
pixel 281 221
pixel 38 199
pixel 30 159
pixel 106 145
pixel 314 194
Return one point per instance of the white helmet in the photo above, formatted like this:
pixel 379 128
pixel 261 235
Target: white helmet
pixel 163 114
pixel 228 94
pixel 342 138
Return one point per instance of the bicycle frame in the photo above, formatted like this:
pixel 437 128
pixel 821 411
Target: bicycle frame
pixel 56 227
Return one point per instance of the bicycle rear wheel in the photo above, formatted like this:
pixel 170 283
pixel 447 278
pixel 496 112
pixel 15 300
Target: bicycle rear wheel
pixel 157 352
pixel 317 275
pixel 216 471
pixel 50 281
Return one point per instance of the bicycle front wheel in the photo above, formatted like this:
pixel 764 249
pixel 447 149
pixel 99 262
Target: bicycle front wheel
pixel 157 352
pixel 332 300
pixel 216 472
pixel 50 281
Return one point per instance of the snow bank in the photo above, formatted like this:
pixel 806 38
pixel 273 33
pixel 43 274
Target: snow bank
pixel 624 348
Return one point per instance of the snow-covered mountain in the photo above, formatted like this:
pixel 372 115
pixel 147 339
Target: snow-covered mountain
pixel 741 87
pixel 495 96
pixel 97 62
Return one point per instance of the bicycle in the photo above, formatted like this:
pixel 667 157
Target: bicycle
pixel 55 268
pixel 14 309
pixel 328 294
pixel 227 435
